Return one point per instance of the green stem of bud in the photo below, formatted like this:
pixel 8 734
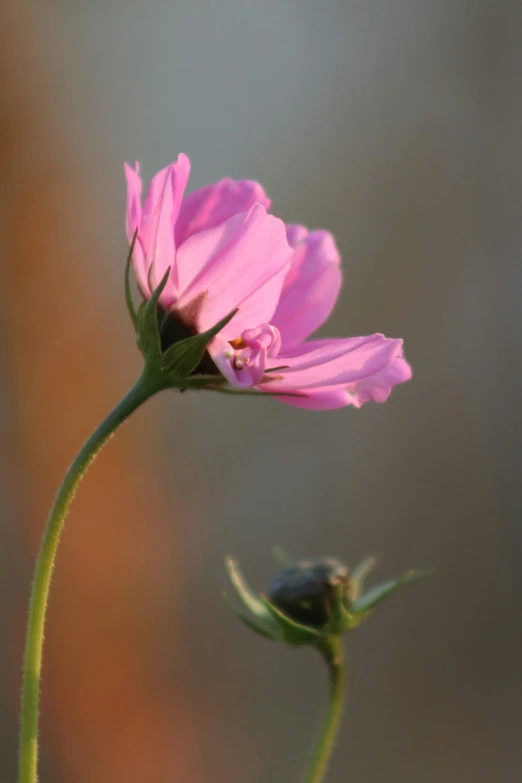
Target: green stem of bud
pixel 148 384
pixel 332 651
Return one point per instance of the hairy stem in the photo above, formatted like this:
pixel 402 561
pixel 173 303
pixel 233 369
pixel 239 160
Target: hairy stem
pixel 147 385
pixel 333 654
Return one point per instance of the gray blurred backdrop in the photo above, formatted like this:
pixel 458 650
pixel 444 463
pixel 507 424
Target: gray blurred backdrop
pixel 397 126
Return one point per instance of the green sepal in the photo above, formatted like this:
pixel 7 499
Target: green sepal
pixel 253 393
pixel 281 556
pixel 249 599
pixel 182 358
pixel 250 623
pixel 128 296
pixel 342 619
pixel 276 369
pixel 359 574
pixel 212 382
pixel 376 594
pixel 292 632
pixel 149 341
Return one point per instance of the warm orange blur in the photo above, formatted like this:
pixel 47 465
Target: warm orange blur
pixel 104 714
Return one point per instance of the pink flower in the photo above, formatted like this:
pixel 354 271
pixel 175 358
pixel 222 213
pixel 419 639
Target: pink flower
pixel 226 252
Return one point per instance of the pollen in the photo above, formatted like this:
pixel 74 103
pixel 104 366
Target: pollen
pixel 238 343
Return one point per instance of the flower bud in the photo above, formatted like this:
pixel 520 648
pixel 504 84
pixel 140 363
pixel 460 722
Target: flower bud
pixel 307 591
pixel 312 601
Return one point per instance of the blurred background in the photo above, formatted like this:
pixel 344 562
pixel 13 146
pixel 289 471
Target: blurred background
pixel 397 126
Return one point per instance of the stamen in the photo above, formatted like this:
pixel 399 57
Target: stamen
pixel 238 343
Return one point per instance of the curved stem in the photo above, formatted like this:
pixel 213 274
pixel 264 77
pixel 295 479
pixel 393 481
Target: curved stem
pixel 333 654
pixel 147 385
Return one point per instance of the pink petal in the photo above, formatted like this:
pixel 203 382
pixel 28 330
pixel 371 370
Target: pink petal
pixel 295 234
pixel 221 353
pixel 160 212
pixel 378 387
pixel 311 286
pixel 321 363
pixel 373 386
pixel 245 366
pixel 133 222
pixel 133 215
pixel 213 204
pixel 238 264
pixel 317 399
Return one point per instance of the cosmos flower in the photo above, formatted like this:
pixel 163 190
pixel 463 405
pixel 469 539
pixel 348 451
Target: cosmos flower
pixel 224 251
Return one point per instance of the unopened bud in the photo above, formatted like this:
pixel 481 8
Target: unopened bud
pixel 307 590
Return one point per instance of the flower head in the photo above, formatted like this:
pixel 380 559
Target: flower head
pixel 219 250
pixel 312 600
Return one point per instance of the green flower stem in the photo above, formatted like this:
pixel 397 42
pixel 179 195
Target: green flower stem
pixel 148 384
pixel 332 652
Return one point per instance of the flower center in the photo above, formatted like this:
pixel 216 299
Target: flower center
pixel 248 353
